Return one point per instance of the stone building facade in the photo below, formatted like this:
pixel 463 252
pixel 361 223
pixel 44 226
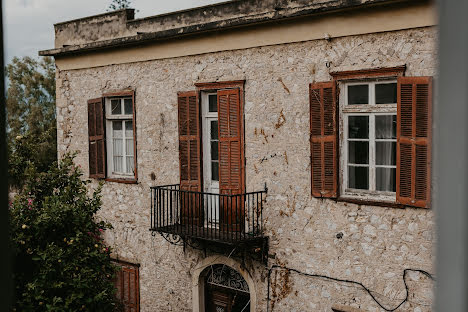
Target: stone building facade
pixel 276 52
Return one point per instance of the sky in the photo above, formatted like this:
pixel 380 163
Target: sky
pixel 28 25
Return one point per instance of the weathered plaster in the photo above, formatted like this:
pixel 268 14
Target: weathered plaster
pixel 372 245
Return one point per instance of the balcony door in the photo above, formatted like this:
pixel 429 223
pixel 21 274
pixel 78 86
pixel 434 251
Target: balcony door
pixel 210 141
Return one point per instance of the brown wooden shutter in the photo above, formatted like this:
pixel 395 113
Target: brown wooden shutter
pixel 413 141
pixel 230 142
pixel 190 157
pixel 323 139
pixel 96 135
pixel 127 282
pixel 231 157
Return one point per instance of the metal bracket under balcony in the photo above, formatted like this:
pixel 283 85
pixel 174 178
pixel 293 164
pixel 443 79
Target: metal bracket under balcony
pixel 220 222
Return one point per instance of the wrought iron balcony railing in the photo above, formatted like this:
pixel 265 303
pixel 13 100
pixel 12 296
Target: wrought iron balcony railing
pixel 230 219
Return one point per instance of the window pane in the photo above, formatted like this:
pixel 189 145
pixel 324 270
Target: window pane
pixel 117 129
pixel 118 165
pixel 128 106
pixel 117 147
pixel 385 126
pixel 214 150
pixel 129 129
pixel 358 94
pixel 386 93
pixel 129 147
pixel 214 130
pixel 385 179
pixel 358 152
pixel 213 103
pixel 358 177
pixel 129 164
pixel 116 108
pixel 214 171
pixel 385 153
pixel 358 127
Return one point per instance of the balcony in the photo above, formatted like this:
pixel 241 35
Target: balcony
pixel 205 220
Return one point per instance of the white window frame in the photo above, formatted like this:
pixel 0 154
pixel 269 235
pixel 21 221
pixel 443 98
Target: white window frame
pixel 209 185
pixel 109 139
pixel 371 109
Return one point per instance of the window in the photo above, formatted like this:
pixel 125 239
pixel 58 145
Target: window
pixel 373 145
pixel 210 136
pixel 120 144
pixel 111 131
pixel 368 117
pixel 127 283
pixel 211 150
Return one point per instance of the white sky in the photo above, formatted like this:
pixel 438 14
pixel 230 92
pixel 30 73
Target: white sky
pixel 28 24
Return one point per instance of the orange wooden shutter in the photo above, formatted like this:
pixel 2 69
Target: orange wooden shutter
pixel 413 141
pixel 323 139
pixel 231 156
pixel 96 135
pixel 190 157
pixel 127 283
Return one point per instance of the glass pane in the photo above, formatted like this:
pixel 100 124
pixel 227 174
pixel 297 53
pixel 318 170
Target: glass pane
pixel 386 93
pixel 385 153
pixel 213 103
pixel 214 171
pixel 358 94
pixel 358 152
pixel 129 164
pixel 214 150
pixel 116 108
pixel 128 107
pixel 385 179
pixel 358 127
pixel 117 147
pixel 385 126
pixel 129 147
pixel 358 177
pixel 129 129
pixel 117 129
pixel 214 130
pixel 118 165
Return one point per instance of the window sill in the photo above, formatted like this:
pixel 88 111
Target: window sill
pixel 122 180
pixel 370 202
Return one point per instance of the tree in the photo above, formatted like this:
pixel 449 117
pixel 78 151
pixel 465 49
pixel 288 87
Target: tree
pixel 30 102
pixel 119 4
pixel 60 260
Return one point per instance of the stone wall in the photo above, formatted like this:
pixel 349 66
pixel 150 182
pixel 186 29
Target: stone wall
pixel 372 245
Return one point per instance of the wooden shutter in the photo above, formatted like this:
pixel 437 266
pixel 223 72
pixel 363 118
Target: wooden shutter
pixel 190 157
pixel 96 135
pixel 128 289
pixel 231 157
pixel 413 141
pixel 323 139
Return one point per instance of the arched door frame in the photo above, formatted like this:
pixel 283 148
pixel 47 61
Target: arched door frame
pixel 198 281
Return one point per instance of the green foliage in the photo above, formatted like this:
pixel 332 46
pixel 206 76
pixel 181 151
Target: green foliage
pixel 61 262
pixel 119 4
pixel 30 102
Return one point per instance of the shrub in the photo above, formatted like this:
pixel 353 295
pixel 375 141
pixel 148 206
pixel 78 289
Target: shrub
pixel 61 262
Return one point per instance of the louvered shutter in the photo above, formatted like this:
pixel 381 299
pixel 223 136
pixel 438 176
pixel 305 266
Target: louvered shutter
pixel 190 157
pixel 323 139
pixel 231 157
pixel 128 288
pixel 413 141
pixel 96 135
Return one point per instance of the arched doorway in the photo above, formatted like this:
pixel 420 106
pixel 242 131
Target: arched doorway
pixel 225 290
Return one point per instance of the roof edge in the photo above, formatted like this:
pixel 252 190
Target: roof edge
pixel 237 22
